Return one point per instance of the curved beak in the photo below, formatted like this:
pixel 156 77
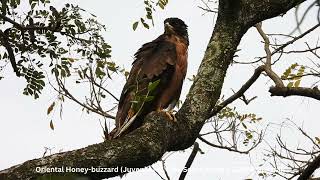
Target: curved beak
pixel 168 27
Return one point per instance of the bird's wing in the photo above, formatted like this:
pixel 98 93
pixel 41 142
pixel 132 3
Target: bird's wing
pixel 154 62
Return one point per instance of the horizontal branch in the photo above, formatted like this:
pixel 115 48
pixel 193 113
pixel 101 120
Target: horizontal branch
pixel 161 135
pixel 295 91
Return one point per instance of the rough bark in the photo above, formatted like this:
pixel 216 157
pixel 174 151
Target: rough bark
pixel 147 144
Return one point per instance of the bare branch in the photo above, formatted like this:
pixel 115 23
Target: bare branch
pixel 189 161
pixel 275 78
pixel 295 39
pixel 230 148
pixel 70 96
pixel 165 169
pixel 98 85
pixel 297 91
pixel 280 49
pixel 157 173
pixel 241 91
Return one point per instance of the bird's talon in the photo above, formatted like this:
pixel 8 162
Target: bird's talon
pixel 171 116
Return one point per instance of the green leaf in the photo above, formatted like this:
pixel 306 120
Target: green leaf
pixel 244 125
pixel 290 84
pixel 33 5
pixel 294 65
pixel 149 98
pixel 161 5
pixel 135 25
pixel 112 68
pixel 249 135
pixel 153 85
pixel 297 83
pixel 144 23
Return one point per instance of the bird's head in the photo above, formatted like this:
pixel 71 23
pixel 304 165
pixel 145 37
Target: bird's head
pixel 176 26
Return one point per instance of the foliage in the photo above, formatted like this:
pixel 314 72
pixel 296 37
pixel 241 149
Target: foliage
pixel 142 96
pixel 149 9
pixel 239 125
pixel 43 37
pixel 294 74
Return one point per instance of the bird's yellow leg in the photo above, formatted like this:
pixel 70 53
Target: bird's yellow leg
pixel 171 116
pixel 168 113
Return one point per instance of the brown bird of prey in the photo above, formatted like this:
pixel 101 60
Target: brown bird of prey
pixel 156 78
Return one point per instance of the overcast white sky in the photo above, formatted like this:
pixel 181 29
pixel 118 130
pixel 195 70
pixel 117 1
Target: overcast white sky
pixel 24 125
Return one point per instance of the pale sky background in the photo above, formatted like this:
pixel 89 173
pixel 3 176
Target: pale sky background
pixel 24 125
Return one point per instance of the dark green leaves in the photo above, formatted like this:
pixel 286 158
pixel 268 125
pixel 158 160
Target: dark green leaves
pixel 141 96
pixel 149 9
pixel 144 23
pixel 69 36
pixel 135 25
pixel 152 85
pixel 35 82
pixel 162 3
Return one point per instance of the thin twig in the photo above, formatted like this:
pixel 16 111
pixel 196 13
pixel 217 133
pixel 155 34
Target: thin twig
pixel 230 148
pixel 70 96
pixel 165 169
pixel 157 173
pixel 241 91
pixel 98 85
pixel 279 49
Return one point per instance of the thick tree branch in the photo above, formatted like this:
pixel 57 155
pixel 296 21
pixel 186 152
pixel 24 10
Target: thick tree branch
pixel 148 143
pixel 258 11
pixel 315 164
pixel 295 91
